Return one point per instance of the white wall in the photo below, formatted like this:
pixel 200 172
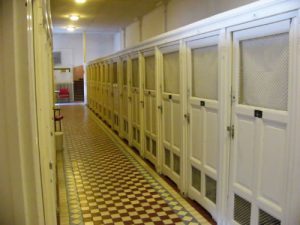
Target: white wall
pixel 98 45
pixel 132 34
pixel 71 47
pixel 19 191
pixel 119 41
pixel 153 23
pixel 178 13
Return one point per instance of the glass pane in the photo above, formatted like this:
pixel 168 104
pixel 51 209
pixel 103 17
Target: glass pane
pixel 125 72
pixel 176 165
pixel 205 72
pixel 150 72
pixel 264 71
pixel 211 189
pixel 135 73
pixel 196 178
pixel 115 73
pixel 167 157
pixel 171 72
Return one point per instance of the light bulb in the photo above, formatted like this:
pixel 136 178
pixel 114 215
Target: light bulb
pixel 71 28
pixel 74 17
pixel 80 1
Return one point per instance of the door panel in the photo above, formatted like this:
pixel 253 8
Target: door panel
pixel 260 115
pixel 203 112
pixel 172 129
pixel 135 95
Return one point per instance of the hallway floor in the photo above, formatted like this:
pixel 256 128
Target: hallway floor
pixel 105 184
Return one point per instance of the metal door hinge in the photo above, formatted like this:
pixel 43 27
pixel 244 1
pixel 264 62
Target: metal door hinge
pixel 230 129
pixel 187 117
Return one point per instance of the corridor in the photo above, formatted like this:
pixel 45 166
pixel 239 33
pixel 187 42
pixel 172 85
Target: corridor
pixel 105 184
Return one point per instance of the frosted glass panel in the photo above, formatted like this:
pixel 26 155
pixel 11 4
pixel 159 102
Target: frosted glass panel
pixel 205 72
pixel 124 72
pixel 135 73
pixel 264 71
pixel 115 73
pixel 150 72
pixel 171 72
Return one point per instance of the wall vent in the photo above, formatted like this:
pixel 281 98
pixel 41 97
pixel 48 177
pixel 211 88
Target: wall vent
pixel 242 210
pixel 267 219
pixel 211 189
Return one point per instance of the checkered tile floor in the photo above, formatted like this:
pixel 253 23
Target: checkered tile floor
pixel 106 185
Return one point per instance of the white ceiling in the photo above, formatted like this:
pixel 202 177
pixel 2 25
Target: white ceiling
pixel 99 15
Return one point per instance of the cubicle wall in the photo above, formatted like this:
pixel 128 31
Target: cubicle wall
pixel 212 106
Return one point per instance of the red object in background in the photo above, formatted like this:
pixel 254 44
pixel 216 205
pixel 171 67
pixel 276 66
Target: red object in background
pixel 64 93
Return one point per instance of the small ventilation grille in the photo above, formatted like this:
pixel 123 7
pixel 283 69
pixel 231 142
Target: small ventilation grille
pixel 147 143
pixel 154 148
pixel 167 157
pixel 242 210
pixel 267 219
pixel 211 189
pixel 176 164
pixel 196 179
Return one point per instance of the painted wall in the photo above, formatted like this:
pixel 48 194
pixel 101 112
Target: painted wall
pixel 132 34
pixel 19 177
pixel 175 14
pixel 153 23
pixel 6 212
pixel 98 45
pixel 71 47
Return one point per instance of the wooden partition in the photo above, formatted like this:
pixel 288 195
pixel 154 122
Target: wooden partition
pixel 212 106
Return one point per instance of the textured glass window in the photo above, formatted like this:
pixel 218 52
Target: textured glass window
pixel 205 72
pixel 264 71
pixel 125 72
pixel 115 73
pixel 150 72
pixel 135 72
pixel 171 72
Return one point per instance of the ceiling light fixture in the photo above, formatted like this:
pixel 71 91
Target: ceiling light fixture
pixel 71 28
pixel 80 1
pixel 74 17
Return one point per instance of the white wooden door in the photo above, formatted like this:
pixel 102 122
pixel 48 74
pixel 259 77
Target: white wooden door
pixel 124 99
pixel 115 92
pixel 110 100
pixel 107 93
pixel 171 111
pixel 259 165
pixel 150 109
pixel 203 120
pixel 135 97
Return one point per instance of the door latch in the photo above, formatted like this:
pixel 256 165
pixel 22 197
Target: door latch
pixel 187 117
pixel 160 108
pixel 230 129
